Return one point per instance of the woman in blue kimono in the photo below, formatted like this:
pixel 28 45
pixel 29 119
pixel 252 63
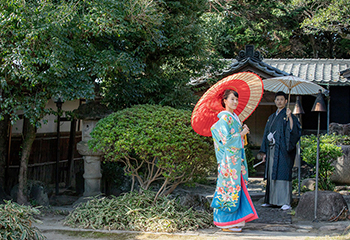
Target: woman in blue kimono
pixel 232 204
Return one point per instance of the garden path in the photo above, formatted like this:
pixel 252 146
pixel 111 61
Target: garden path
pixel 273 224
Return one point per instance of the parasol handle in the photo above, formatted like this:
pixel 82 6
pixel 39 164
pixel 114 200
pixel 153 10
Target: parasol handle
pixel 288 102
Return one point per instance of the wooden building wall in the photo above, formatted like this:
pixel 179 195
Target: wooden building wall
pixel 42 161
pixel 340 104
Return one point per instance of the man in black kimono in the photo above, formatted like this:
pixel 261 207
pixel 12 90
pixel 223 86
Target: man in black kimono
pixel 278 148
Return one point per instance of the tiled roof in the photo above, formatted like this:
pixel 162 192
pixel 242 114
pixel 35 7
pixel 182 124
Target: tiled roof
pixel 320 71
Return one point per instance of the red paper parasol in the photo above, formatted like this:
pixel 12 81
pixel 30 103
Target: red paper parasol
pixel 250 89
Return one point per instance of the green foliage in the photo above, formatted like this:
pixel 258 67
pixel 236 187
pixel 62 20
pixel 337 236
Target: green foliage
pixel 134 51
pixel 252 22
pixel 330 16
pixel 285 29
pixel 323 24
pixel 16 222
pixel 112 172
pixel 137 212
pixel 160 53
pixel 156 144
pixel 250 159
pixel 39 58
pixel 328 153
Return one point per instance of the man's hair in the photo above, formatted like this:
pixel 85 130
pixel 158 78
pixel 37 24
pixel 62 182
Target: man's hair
pixel 281 93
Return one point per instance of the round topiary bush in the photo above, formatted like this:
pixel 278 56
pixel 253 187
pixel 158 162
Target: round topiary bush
pixel 155 143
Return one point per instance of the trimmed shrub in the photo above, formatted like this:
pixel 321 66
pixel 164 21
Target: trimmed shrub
pixel 156 144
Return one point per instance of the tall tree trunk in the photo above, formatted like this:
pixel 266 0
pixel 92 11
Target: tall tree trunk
pixel 29 137
pixel 330 38
pixel 70 175
pixel 4 126
pixel 314 47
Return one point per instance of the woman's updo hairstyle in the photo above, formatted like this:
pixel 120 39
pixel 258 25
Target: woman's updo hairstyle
pixel 226 94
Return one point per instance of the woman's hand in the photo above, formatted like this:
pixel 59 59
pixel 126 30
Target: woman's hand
pixel 245 130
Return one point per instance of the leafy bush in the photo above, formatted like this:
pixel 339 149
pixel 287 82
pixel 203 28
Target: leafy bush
pixel 137 212
pixel 16 222
pixel 250 158
pixel 156 144
pixel 329 152
pixel 112 172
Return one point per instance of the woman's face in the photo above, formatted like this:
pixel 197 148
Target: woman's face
pixel 231 102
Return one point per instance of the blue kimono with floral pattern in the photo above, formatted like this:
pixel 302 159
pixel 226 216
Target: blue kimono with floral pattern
pixel 232 203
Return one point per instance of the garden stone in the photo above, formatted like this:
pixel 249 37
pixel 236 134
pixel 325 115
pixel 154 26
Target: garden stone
pixel 309 184
pixel 339 129
pixel 37 192
pixel 347 199
pixel 341 173
pixel 336 128
pixel 198 197
pixel 196 201
pixel 346 129
pixel 329 205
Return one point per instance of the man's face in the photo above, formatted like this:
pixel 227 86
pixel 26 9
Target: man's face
pixel 280 102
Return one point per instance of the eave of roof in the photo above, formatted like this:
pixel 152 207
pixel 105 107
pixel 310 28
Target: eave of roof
pixel 261 65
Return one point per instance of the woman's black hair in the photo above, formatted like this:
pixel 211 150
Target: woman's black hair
pixel 226 94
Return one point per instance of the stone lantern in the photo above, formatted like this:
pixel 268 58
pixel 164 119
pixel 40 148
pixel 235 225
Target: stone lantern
pixel 90 113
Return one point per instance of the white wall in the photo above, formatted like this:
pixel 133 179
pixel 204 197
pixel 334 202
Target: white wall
pixel 51 125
